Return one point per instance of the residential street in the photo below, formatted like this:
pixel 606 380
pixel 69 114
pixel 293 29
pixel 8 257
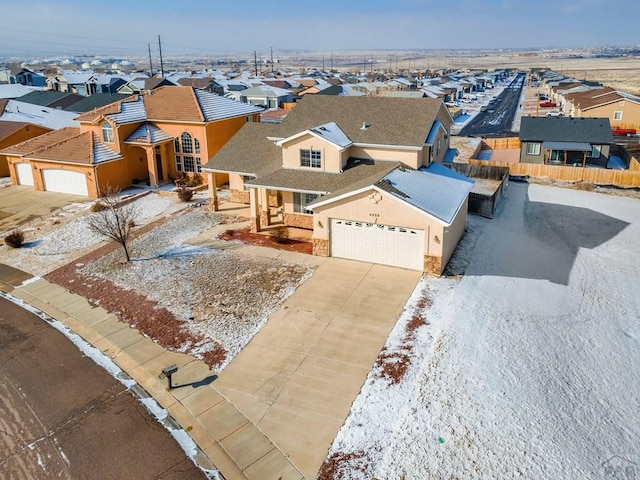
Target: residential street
pixel 63 416
pixel 497 122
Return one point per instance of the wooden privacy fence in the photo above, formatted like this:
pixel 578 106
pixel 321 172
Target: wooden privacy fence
pixel 597 176
pixel 501 143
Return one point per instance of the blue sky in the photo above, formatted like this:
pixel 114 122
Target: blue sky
pixel 124 27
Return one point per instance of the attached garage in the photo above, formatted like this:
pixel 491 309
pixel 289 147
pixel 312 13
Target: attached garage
pixel 24 173
pixel 371 242
pixel 65 181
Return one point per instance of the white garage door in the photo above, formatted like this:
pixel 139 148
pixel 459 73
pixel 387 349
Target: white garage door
pixel 65 181
pixel 371 242
pixel 25 174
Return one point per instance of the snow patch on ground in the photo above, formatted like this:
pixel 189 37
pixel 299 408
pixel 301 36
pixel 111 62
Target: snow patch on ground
pixel 516 377
pixel 219 294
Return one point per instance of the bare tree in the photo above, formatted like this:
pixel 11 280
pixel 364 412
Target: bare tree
pixel 114 219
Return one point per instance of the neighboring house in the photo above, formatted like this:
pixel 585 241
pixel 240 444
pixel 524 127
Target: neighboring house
pixel 14 91
pixel 97 100
pixel 49 98
pixel 266 96
pixel 363 173
pixel 621 108
pixel 12 133
pixel 15 111
pixel 152 138
pixel 565 141
pixel 207 84
pixel 28 78
pixel 140 85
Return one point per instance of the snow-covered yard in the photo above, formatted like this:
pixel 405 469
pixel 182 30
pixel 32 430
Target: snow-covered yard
pixel 526 366
pixel 190 299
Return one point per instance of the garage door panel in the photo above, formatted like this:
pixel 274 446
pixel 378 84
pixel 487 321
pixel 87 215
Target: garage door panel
pixel 24 173
pixel 65 181
pixel 376 243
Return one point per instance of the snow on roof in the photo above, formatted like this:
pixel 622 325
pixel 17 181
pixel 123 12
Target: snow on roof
pixel 214 107
pixel 53 118
pixel 130 112
pixel 15 90
pixel 101 152
pixel 148 133
pixel 430 189
pixel 332 133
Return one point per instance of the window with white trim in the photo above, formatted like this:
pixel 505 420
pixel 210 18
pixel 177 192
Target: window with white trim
pixel 311 158
pixel 533 148
pixel 301 200
pixel 595 151
pixel 187 154
pixel 617 115
pixel 107 132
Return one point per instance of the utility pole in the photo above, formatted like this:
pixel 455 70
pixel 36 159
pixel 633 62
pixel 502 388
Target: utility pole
pixel 161 64
pixel 332 62
pixel 271 59
pixel 255 61
pixel 323 63
pixel 150 64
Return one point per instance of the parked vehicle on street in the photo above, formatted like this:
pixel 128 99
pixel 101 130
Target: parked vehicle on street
pixel 624 131
pixel 555 113
pixel 548 104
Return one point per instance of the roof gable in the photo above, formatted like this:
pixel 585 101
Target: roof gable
pixel 329 132
pixel 430 190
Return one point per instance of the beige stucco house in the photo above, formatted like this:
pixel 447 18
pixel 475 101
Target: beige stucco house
pixel 364 174
pixel 622 109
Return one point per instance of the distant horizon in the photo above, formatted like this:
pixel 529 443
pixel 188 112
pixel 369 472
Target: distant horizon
pixel 288 54
pixel 37 28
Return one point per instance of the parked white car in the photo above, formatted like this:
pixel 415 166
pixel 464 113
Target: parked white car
pixel 555 113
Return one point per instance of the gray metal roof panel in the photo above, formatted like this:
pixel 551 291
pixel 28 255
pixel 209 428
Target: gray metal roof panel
pixel 429 190
pixel 571 146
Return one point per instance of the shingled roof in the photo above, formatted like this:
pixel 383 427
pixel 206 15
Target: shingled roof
pixel 566 129
pixel 249 151
pixel 367 120
pixel 357 173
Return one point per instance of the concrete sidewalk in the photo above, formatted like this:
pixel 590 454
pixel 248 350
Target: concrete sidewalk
pixel 274 411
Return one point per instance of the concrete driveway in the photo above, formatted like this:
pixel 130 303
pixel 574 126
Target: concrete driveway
pixel 20 204
pixel 297 378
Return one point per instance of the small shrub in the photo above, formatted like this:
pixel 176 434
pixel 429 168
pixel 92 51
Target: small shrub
pixel 132 223
pixel 186 181
pixel 280 234
pixel 15 239
pixel 185 193
pixel 97 207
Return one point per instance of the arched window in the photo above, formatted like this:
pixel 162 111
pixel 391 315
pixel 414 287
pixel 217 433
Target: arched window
pixel 107 132
pixel 187 143
pixel 187 154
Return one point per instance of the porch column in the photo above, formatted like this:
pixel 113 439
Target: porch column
pixel 254 208
pixel 265 219
pixel 151 166
pixel 213 191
